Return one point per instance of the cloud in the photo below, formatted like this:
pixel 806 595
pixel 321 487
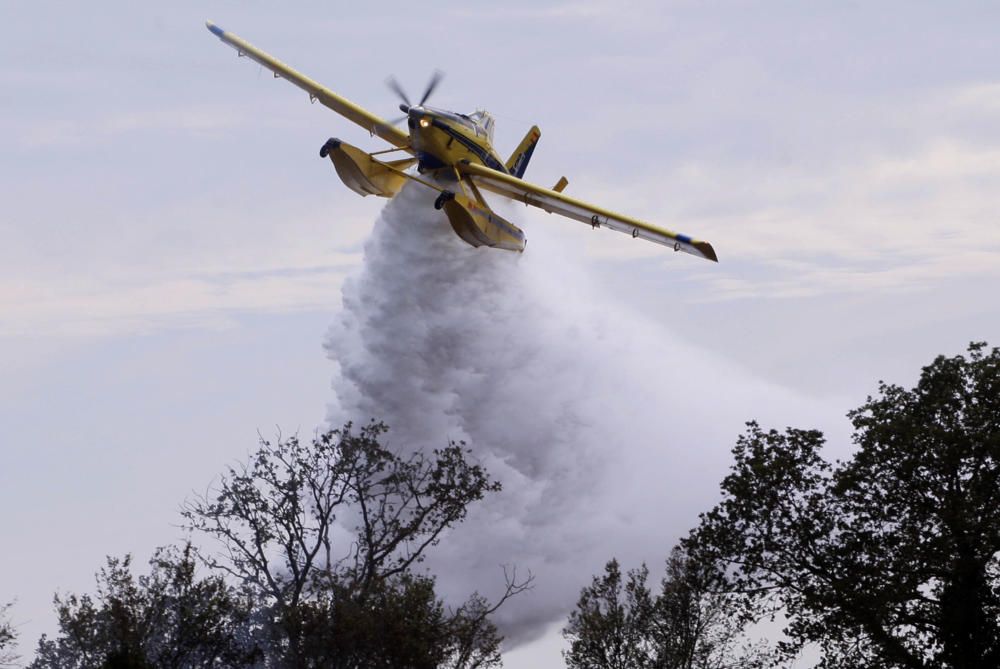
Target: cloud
pixel 80 269
pixel 580 11
pixel 35 133
pixel 101 307
pixel 978 98
pixel 881 221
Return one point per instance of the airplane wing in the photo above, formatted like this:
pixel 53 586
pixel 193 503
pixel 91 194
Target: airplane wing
pixel 555 202
pixel 342 106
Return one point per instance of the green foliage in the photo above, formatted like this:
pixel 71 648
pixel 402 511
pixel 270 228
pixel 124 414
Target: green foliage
pixel 167 619
pixel 891 558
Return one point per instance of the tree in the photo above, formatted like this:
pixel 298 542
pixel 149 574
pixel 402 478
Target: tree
pixel 402 624
pixel 891 558
pixel 610 628
pixel 169 619
pixel 279 517
pixel 398 625
pixel 8 637
pixel 697 626
pixel 618 623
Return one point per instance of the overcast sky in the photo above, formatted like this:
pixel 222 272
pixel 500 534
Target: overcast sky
pixel 172 249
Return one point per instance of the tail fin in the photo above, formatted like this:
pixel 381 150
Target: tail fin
pixel 518 162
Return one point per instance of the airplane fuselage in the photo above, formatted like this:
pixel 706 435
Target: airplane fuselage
pixel 442 139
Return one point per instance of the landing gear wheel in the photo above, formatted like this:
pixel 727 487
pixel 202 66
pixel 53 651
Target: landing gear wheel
pixel 445 196
pixel 328 146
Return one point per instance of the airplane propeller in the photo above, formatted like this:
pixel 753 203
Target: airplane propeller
pixel 406 104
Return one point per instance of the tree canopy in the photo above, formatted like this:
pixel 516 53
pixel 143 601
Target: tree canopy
pixel 168 619
pixel 336 525
pixel 618 622
pixel 889 559
pixel 313 566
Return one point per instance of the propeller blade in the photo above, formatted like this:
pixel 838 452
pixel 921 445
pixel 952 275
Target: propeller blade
pixel 431 85
pixel 398 90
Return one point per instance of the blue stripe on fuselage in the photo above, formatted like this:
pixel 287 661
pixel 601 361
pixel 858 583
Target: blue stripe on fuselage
pixel 480 152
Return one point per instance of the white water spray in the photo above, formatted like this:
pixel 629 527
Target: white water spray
pixel 608 435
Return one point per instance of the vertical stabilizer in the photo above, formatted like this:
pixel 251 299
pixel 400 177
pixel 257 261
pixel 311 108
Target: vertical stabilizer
pixel 518 162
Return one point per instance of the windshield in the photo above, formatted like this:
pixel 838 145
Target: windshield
pixel 452 116
pixel 480 121
pixel 484 121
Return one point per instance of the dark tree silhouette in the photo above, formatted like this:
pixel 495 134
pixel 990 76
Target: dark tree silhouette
pixel 611 626
pixel 327 535
pixel 618 623
pixel 170 619
pixel 891 558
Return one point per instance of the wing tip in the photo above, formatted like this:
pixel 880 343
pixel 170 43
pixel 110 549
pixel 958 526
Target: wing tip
pixel 706 251
pixel 214 29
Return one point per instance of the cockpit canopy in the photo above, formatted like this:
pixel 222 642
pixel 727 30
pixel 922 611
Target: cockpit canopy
pixel 484 120
pixel 481 121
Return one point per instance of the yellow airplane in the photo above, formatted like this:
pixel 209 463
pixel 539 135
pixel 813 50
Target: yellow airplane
pixel 457 151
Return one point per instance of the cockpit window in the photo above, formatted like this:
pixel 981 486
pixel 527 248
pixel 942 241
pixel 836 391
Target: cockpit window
pixel 480 121
pixel 484 121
